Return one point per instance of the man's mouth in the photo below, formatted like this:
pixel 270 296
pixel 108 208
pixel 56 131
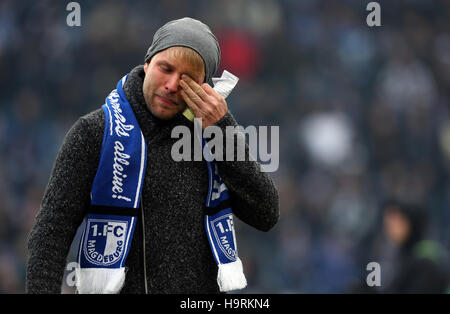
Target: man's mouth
pixel 167 101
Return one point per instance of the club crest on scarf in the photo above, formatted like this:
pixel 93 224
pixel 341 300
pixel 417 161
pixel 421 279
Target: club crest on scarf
pixel 223 231
pixel 105 241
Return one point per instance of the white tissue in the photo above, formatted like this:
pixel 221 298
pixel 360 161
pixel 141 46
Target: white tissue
pixel 225 84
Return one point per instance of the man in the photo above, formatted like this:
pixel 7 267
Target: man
pixel 418 266
pixel 170 250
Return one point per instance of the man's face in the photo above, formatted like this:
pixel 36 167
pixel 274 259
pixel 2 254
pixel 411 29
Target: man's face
pixel 396 226
pixel 161 86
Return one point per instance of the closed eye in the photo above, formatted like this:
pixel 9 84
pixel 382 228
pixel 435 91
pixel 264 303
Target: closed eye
pixel 165 66
pixel 165 69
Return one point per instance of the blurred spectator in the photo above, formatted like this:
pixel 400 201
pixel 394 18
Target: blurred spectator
pixel 418 262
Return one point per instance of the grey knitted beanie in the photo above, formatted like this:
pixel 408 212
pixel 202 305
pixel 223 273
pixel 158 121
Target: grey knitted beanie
pixel 191 33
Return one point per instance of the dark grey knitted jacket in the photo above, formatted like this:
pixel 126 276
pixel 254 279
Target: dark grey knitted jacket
pixel 177 258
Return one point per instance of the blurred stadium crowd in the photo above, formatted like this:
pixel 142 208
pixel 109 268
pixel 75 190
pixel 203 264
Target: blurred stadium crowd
pixel 363 115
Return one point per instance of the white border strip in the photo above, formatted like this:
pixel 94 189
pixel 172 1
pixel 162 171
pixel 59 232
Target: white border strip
pixel 211 240
pixel 141 170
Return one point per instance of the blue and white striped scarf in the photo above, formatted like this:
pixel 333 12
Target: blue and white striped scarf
pixel 115 201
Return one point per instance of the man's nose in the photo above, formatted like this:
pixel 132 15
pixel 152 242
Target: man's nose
pixel 173 84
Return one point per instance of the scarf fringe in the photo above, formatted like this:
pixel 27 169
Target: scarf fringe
pixel 100 280
pixel 231 276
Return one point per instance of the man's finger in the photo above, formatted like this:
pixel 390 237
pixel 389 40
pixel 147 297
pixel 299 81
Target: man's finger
pixel 191 104
pixel 209 90
pixel 191 93
pixel 194 86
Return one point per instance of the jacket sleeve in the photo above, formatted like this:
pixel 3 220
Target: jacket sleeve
pixel 62 209
pixel 253 193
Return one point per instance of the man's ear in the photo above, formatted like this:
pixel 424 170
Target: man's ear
pixel 146 66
